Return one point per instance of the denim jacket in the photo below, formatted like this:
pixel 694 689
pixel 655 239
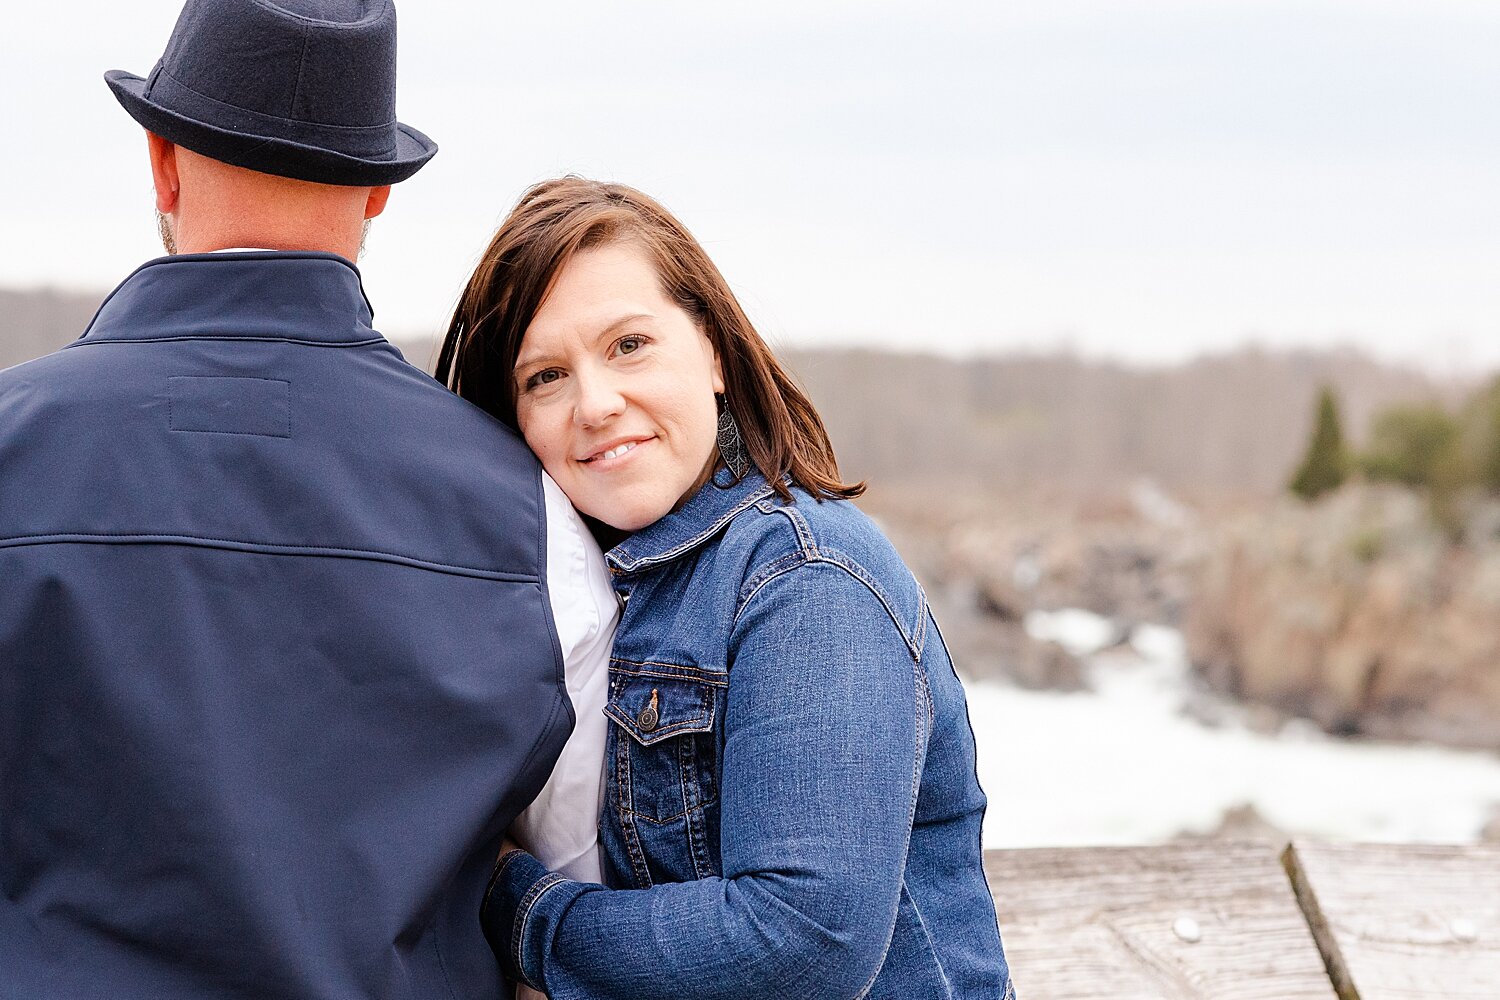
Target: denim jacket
pixel 790 778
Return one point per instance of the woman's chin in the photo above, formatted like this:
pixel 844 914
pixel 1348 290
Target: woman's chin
pixel 629 510
pixel 629 518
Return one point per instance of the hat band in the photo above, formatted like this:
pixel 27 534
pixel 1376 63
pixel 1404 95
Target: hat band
pixel 370 142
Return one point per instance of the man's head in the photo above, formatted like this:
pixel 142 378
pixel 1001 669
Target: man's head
pixel 273 124
pixel 206 205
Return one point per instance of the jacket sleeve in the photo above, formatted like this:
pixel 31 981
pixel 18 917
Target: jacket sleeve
pixel 824 733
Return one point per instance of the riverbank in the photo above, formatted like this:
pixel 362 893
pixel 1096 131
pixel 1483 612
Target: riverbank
pixel 1144 755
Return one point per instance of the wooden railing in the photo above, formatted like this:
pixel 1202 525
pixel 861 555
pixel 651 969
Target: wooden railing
pixel 1246 921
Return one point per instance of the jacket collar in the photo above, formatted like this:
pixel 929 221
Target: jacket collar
pixel 705 514
pixel 260 295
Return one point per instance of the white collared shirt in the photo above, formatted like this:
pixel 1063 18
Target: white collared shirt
pixel 561 827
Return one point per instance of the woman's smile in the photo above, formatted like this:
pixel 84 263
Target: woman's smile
pixel 614 456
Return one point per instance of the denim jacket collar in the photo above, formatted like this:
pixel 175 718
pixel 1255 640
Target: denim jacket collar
pixel 695 522
pixel 257 295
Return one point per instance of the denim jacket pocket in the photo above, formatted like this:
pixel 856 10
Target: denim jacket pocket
pixel 662 778
pixel 666 766
pixel 653 709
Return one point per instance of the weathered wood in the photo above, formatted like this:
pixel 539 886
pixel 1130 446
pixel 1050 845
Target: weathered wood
pixel 1399 922
pixel 1084 923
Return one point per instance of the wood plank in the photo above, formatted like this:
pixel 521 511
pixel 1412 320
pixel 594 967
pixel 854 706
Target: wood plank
pixel 1401 922
pixel 1085 923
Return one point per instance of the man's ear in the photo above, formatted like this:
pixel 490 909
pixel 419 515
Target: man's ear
pixel 164 172
pixel 376 203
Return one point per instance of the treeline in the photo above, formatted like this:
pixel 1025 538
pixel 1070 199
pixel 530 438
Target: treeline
pixel 1450 453
pixel 33 323
pixel 1219 428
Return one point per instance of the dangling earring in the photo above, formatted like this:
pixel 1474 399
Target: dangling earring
pixel 164 229
pixel 731 444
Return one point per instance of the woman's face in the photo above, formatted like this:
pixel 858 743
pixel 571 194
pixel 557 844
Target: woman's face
pixel 615 389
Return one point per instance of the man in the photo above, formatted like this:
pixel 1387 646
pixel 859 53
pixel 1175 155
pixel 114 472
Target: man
pixel 279 662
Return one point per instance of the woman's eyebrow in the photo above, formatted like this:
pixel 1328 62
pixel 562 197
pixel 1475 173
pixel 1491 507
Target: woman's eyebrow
pixel 626 320
pixel 539 357
pixel 527 360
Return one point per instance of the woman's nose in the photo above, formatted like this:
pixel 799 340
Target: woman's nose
pixel 598 401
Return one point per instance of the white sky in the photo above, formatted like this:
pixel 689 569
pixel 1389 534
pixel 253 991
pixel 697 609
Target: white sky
pixel 1144 179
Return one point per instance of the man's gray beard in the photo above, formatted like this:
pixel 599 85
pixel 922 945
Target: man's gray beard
pixel 169 238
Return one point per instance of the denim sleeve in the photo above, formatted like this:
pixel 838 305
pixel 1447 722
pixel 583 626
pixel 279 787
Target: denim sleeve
pixel 823 735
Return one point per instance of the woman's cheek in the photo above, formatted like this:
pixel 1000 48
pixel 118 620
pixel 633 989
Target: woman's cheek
pixel 535 433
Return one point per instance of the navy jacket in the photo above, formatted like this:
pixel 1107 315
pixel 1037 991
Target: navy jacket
pixel 277 666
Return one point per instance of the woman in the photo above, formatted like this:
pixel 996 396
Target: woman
pixel 790 782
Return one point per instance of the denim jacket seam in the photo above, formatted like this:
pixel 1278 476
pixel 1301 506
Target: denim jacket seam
pixel 810 551
pixel 663 821
pixel 779 568
pixel 924 720
pixel 523 920
pixel 920 636
pixel 805 539
pixel 764 575
pixel 848 564
pixel 668 732
pixel 625 807
pixel 496 875
pixel 927 933
pixel 919 752
pixel 852 566
pixel 686 674
pixel 854 569
pixel 687 809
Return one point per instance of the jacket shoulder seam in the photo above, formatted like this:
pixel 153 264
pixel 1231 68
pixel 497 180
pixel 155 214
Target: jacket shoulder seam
pixel 914 638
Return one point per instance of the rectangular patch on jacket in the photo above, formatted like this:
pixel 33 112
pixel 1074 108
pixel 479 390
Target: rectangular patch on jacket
pixel 227 405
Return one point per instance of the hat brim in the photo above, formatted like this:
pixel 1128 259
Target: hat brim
pixel 269 154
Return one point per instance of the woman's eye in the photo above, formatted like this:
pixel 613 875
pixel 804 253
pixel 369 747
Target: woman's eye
pixel 544 377
pixel 629 345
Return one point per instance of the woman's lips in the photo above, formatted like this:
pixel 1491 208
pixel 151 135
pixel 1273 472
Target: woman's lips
pixel 615 454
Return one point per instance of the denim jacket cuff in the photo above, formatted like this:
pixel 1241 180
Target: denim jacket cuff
pixel 520 909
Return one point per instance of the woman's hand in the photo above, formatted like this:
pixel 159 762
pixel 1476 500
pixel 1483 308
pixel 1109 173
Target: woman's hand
pixel 506 846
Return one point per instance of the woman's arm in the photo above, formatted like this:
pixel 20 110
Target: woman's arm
pixel 823 735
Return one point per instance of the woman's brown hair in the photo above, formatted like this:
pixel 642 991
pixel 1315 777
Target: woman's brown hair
pixel 556 219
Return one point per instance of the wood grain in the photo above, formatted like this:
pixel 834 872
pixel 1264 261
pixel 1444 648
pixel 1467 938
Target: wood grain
pixel 1084 923
pixel 1403 922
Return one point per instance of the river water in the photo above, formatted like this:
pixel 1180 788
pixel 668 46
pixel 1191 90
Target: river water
pixel 1124 763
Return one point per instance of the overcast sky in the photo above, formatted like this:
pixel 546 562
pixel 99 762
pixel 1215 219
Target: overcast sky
pixel 1141 179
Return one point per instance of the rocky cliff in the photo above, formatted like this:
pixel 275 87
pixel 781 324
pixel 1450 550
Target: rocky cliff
pixel 1356 612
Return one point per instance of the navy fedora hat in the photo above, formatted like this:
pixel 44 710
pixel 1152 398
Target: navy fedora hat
pixel 298 88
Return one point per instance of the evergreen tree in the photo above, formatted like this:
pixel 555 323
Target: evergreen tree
pixel 1486 421
pixel 1327 462
pixel 1411 444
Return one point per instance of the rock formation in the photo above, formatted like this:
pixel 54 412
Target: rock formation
pixel 1356 612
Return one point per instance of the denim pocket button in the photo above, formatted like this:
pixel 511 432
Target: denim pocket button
pixel 649 716
pixel 659 708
